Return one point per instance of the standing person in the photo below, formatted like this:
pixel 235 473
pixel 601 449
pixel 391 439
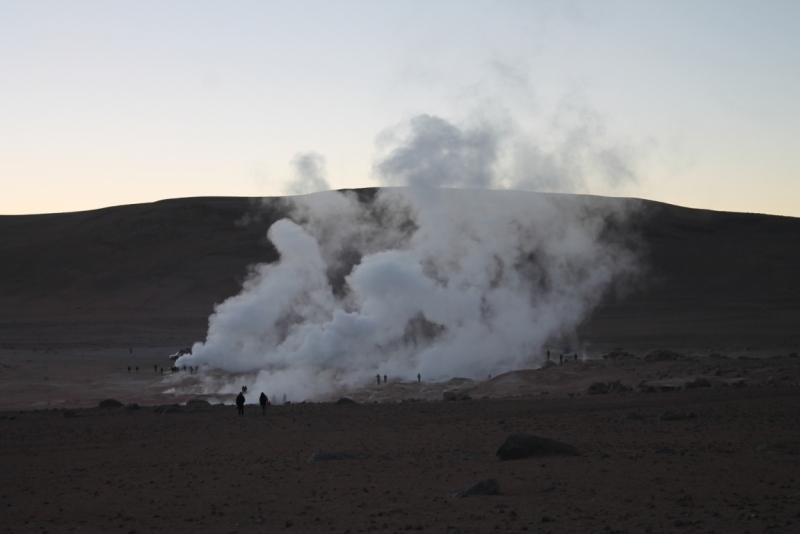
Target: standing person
pixel 419 377
pixel 240 403
pixel 561 359
pixel 384 379
pixel 378 376
pixel 262 400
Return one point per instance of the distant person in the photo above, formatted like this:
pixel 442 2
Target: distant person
pixel 129 368
pixel 240 403
pixel 184 367
pixel 575 356
pixel 244 389
pixel 548 355
pixel 419 377
pixel 137 368
pixel 262 400
pixel 384 379
pixel 155 368
pixel 561 360
pixel 162 370
pixel 379 379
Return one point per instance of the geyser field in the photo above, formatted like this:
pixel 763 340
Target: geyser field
pixel 680 390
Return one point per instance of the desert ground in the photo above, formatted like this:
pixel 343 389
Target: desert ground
pixel 712 331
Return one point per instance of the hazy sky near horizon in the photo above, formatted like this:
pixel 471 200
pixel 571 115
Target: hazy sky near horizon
pixel 117 102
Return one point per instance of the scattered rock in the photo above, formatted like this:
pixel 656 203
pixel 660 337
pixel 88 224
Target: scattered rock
pixel 517 446
pixel 662 355
pixel 109 404
pixel 325 456
pixel 487 486
pixel 612 387
pixel 618 355
pixel 676 416
pixel 346 400
pixel 130 407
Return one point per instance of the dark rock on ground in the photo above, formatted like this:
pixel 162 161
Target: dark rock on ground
pixel 346 400
pixel 597 388
pixel 131 407
pixel 618 355
pixel 487 486
pixel 110 403
pixel 326 456
pixel 612 387
pixel 517 446
pixel 676 416
pixel 198 404
pixel 456 395
pixel 662 355
pixel 701 382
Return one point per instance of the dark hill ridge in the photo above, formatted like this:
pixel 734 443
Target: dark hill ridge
pixel 149 274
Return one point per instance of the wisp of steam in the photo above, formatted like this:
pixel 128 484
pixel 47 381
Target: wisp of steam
pixel 415 279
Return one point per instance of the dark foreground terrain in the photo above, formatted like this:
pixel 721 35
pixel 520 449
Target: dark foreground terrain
pixel 734 468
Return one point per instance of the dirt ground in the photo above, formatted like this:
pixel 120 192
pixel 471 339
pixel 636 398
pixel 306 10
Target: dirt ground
pixel 732 468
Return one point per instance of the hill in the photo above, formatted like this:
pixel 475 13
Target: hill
pixel 150 274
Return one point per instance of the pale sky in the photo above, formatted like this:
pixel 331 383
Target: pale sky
pixel 118 102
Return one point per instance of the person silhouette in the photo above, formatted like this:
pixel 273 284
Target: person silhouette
pixel 419 377
pixel 378 376
pixel 263 401
pixel 384 379
pixel 240 403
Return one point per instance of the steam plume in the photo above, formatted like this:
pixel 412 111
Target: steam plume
pixel 417 279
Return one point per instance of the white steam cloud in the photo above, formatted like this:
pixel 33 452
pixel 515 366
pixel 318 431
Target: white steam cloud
pixel 417 279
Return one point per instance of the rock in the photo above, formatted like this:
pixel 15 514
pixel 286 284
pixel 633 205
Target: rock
pixel 454 395
pixel 517 446
pixel 662 355
pixel 198 405
pixel 487 486
pixel 618 355
pixel 131 407
pixel 612 387
pixel 617 387
pixel 326 456
pixel 598 388
pixel 109 404
pixel 345 400
pixel 676 416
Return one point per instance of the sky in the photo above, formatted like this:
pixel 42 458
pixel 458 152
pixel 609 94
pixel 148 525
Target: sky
pixel 119 102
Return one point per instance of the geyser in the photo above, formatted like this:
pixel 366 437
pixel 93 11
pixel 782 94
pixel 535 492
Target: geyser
pixel 441 282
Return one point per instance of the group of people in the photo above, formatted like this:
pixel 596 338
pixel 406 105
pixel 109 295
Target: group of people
pixel 263 400
pixel 378 376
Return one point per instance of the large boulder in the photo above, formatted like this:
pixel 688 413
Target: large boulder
pixel 454 395
pixel 598 388
pixel 518 446
pixel 487 486
pixel 109 404
pixel 327 456
pixel 346 400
